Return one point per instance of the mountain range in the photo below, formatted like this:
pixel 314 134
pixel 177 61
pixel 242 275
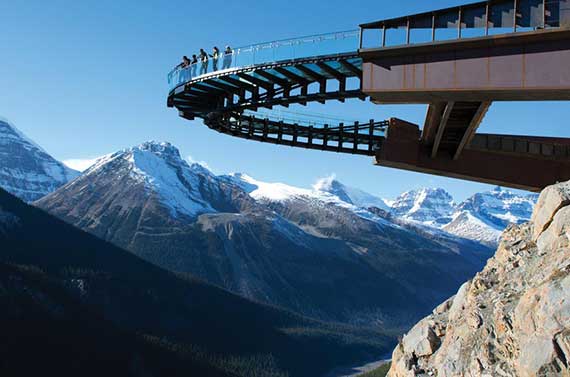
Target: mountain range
pixel 481 217
pixel 330 260
pixel 305 250
pixel 31 173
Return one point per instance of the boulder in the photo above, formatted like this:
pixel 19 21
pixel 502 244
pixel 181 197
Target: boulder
pixel 551 199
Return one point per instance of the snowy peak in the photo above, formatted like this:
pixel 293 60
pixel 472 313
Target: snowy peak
pixel 332 186
pixel 500 207
pixel 26 170
pixel 348 194
pixel 272 191
pixel 161 170
pixel 431 206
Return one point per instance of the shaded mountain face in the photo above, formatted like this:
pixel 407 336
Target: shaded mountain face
pixel 27 170
pixel 306 250
pixel 61 287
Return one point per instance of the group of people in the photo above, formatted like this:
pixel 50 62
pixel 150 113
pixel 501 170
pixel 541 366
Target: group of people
pixel 203 60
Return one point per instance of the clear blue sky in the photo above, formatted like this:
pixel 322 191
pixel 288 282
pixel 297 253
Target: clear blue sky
pixel 86 78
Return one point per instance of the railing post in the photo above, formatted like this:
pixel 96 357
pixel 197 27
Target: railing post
pixel 370 135
pixel 340 135
pixel 433 27
pixel 360 38
pixel 295 133
pixel 250 129
pixel 355 135
pixel 342 85
pixel 310 137
pixel 265 128
pixel 408 31
pixel 323 86
pixel 280 132
pixel 384 35
pixel 544 14
pixel 487 13
pixel 515 16
pixel 325 135
pixel 459 16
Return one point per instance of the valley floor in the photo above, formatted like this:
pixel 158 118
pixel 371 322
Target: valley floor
pixel 354 371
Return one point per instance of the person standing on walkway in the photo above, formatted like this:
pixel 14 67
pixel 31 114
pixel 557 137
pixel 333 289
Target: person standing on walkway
pixel 228 54
pixel 194 65
pixel 215 57
pixel 204 61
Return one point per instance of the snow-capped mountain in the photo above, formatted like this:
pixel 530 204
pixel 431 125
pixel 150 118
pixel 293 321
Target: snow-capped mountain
pixel 26 170
pixel 155 174
pixel 348 194
pixel 429 206
pixel 332 193
pixel 482 217
pixel 308 250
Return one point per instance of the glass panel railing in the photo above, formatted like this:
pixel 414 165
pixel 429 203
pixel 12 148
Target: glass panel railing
pixel 470 21
pixel 270 52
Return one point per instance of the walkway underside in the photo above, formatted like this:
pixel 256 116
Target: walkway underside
pixel 523 162
pixel 226 101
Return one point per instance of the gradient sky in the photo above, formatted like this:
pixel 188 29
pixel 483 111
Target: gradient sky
pixel 86 78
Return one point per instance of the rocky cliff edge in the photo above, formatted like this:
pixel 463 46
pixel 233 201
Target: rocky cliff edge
pixel 513 317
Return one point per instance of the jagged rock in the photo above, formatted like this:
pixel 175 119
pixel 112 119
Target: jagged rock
pixel 513 317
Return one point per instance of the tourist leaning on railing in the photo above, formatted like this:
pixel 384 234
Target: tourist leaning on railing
pixel 215 56
pixel 187 68
pixel 227 58
pixel 183 69
pixel 204 60
pixel 194 65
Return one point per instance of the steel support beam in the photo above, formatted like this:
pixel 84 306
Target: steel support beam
pixel 441 128
pixel 473 125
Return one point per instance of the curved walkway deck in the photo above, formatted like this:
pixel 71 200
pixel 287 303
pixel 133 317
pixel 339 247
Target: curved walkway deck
pixel 227 100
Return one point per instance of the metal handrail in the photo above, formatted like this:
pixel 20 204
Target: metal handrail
pixel 179 75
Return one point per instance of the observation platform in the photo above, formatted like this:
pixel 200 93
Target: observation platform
pixel 457 61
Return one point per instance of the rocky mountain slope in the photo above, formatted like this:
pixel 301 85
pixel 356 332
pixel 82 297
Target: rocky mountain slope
pixel 512 318
pixel 305 250
pixel 61 288
pixel 26 170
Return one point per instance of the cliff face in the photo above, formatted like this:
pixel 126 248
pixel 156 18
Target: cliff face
pixel 512 318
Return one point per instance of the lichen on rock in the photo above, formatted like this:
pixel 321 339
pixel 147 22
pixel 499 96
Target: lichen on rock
pixel 513 317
